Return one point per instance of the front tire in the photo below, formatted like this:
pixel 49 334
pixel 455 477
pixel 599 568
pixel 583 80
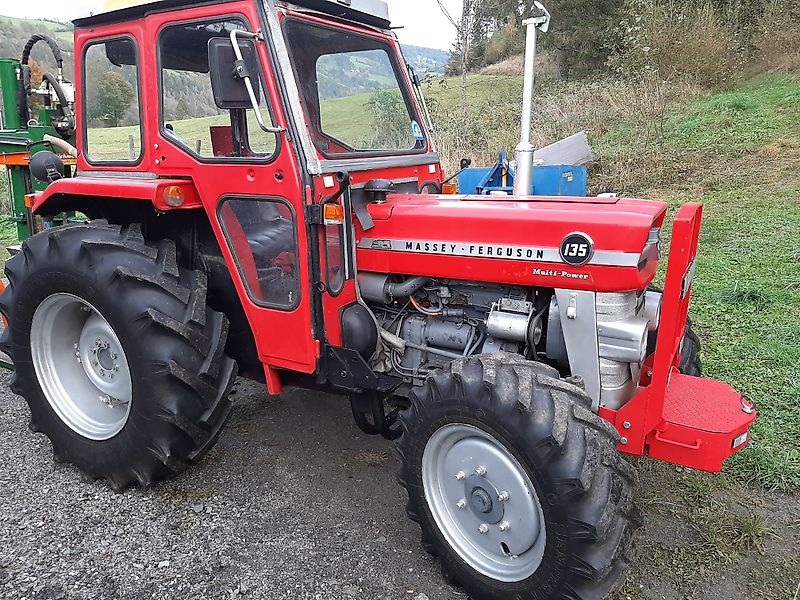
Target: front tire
pixel 116 352
pixel 516 484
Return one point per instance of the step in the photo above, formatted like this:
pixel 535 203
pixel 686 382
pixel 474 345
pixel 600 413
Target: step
pixel 707 421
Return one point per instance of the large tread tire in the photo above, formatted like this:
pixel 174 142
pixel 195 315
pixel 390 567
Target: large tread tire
pixel 585 486
pixel 174 343
pixel 690 363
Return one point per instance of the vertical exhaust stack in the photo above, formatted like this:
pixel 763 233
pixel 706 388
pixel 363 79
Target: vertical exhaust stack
pixel 523 178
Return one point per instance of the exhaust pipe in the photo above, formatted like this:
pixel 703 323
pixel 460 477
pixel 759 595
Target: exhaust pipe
pixel 523 178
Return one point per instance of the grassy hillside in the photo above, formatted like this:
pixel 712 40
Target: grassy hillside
pixel 738 152
pixel 14 33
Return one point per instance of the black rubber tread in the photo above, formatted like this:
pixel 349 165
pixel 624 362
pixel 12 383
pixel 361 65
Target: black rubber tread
pixel 690 363
pixel 570 454
pixel 175 345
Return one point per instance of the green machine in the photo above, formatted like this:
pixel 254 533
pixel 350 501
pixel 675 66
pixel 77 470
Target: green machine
pixel 28 127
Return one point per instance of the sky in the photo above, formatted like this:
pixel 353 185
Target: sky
pixel 423 24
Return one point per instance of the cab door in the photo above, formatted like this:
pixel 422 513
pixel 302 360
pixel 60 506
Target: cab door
pixel 248 179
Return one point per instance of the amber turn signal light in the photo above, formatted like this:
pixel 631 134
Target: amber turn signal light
pixel 174 196
pixel 450 189
pixel 333 214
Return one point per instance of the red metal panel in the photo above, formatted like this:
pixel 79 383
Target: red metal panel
pixel 619 226
pixel 677 418
pixel 149 190
pixel 704 423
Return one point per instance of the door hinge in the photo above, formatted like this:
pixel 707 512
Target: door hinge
pixel 315 214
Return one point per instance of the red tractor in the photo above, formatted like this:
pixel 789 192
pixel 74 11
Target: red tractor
pixel 293 230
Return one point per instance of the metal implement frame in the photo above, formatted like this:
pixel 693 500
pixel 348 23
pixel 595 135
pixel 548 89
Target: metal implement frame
pixel 18 142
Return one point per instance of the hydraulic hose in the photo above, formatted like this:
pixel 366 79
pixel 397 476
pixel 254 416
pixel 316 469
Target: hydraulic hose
pixel 406 288
pixel 35 39
pixel 55 82
pixel 59 90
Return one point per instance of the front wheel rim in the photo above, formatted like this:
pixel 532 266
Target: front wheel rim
pixel 483 502
pixel 81 366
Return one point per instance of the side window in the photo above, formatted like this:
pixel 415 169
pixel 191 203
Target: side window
pixel 334 258
pixel 111 102
pixel 261 234
pixel 189 116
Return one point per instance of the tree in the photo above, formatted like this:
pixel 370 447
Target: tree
pixel 182 110
pixel 37 76
pixel 583 33
pixel 468 34
pixel 111 100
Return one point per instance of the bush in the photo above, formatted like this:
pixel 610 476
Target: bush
pixel 678 41
pixel 561 109
pixel 776 41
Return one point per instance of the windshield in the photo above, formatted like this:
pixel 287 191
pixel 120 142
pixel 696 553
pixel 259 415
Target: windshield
pixel 353 92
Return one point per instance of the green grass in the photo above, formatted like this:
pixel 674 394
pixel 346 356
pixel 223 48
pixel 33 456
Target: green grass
pixel 61 31
pixel 738 152
pixel 742 120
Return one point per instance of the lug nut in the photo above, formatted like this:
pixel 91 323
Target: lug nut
pixel 461 476
pixel 484 528
pixel 480 471
pixel 505 526
pixel 462 504
pixel 503 497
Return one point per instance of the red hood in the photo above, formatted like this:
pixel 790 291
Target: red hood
pixel 460 237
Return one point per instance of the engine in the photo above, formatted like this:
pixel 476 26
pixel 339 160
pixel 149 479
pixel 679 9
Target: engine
pixel 426 323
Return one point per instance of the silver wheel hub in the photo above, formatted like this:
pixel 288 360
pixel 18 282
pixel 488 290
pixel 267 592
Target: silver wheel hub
pixel 483 502
pixel 81 366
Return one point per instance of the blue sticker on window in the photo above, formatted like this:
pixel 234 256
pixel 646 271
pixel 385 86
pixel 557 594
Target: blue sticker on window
pixel 417 131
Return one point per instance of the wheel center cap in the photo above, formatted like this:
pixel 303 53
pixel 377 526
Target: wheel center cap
pixel 104 357
pixel 481 501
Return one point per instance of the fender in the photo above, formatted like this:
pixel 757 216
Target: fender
pixel 162 194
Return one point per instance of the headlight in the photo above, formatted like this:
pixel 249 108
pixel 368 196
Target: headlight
pixel 623 341
pixel 652 309
pixel 652 249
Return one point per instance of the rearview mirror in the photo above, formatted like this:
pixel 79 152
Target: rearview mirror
pixel 228 75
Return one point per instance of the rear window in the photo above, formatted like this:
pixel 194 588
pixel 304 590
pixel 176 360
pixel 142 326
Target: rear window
pixel 113 122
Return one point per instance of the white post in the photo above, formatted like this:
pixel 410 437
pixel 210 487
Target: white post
pixel 523 178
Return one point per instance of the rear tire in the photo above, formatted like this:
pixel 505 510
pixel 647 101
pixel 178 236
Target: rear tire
pixel 568 476
pixel 168 342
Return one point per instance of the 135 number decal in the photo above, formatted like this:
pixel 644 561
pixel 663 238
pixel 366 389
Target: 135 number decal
pixel 577 249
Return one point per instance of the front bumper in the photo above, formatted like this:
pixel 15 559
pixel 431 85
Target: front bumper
pixel 677 418
pixel 704 423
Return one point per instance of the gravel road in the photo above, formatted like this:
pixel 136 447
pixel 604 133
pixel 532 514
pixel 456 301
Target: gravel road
pixel 294 503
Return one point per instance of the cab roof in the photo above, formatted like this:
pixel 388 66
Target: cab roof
pixel 369 12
